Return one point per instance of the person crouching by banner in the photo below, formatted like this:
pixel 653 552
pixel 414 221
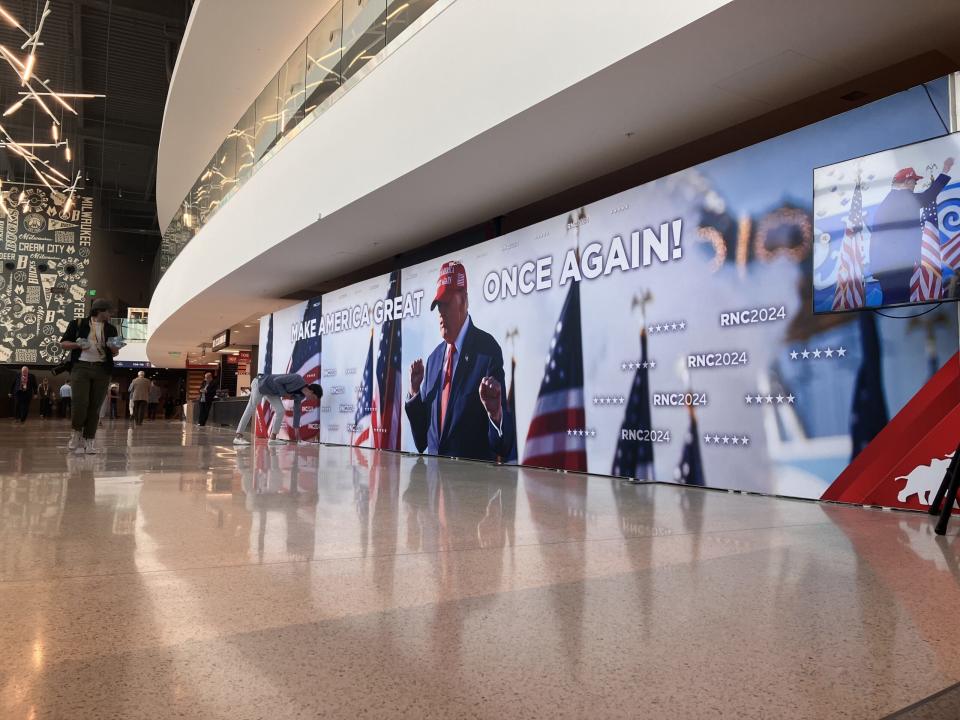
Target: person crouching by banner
pixel 274 388
pixel 93 342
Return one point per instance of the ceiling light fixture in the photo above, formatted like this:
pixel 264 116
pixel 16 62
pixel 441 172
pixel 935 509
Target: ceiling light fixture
pixel 26 72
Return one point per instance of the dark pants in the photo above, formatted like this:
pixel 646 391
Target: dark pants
pixel 113 407
pixel 90 383
pixel 45 406
pixel 204 412
pixel 139 410
pixel 21 404
pixel 152 410
pixel 65 407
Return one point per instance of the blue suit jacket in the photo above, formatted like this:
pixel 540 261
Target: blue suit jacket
pixel 467 432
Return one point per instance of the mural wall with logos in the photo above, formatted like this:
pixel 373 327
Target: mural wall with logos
pixel 46 254
pixel 665 333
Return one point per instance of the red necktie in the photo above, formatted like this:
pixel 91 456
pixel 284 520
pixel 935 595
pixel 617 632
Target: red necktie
pixel 447 382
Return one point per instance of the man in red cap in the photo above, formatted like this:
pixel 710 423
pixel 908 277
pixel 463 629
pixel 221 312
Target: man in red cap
pixel 455 406
pixel 895 234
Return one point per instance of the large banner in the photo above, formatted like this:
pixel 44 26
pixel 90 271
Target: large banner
pixel 665 333
pixel 47 248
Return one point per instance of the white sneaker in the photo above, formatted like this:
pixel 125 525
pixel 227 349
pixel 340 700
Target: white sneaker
pixel 76 440
pixel 276 441
pixel 90 447
pixel 240 441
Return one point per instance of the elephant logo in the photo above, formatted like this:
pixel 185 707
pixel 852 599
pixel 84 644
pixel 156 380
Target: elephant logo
pixel 924 480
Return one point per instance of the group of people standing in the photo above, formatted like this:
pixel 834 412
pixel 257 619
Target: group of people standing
pixel 25 389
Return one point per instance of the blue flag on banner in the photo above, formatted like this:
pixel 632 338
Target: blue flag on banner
pixel 268 353
pixel 388 405
pixel 690 469
pixel 868 416
pixel 305 358
pixel 634 458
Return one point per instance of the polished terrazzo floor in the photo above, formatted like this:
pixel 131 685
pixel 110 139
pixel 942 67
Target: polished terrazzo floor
pixel 173 576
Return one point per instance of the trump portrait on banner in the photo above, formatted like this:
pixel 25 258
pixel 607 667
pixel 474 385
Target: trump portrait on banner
pixel 456 401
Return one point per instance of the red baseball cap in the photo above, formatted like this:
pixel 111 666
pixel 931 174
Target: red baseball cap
pixel 453 277
pixel 905 175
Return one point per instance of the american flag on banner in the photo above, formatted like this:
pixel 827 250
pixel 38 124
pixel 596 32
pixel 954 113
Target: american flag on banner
pixel 850 292
pixel 690 469
pixel 360 432
pixel 926 283
pixel 305 361
pixel 556 438
pixel 634 458
pixel 948 212
pixel 386 393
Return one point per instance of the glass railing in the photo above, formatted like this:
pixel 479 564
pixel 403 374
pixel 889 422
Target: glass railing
pixel 133 331
pixel 349 36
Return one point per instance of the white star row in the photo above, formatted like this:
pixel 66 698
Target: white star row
pixel 817 353
pixel 667 327
pixel 581 432
pixel 740 441
pixel 609 400
pixel 631 365
pixel 768 399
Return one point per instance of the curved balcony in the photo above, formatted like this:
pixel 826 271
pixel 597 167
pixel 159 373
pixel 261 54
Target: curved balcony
pixel 329 61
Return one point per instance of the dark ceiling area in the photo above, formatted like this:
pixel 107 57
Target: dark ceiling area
pixel 125 49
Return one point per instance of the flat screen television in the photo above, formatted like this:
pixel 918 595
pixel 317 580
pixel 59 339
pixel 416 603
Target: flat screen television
pixel 887 228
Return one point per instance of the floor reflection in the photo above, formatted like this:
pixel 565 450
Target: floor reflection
pixel 173 565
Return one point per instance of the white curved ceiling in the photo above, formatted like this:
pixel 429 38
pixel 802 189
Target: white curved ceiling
pixel 230 50
pixel 489 130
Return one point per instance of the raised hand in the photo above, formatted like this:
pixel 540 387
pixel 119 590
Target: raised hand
pixel 947 164
pixel 490 396
pixel 416 376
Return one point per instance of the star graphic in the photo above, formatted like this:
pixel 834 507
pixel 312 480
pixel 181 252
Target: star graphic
pixel 745 440
pixel 623 366
pixel 794 355
pixel 828 352
pixel 659 328
pixel 673 326
pixel 769 399
pixel 596 400
pixel 736 440
pixel 651 329
pixel 653 364
pixel 716 439
pixel 749 399
pixel 726 440
pixel 841 351
pixel 569 432
pixel 790 399
pixel 805 354
pixel 816 353
pixel 758 399
pixel 706 439
pixel 683 324
pixel 780 399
